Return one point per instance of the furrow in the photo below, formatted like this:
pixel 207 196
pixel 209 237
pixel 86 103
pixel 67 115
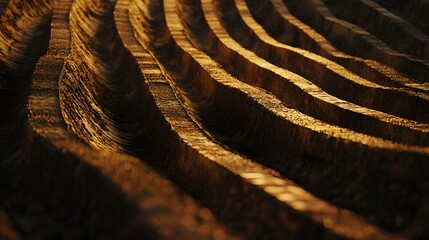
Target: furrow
pixel 280 24
pixel 187 160
pixel 258 125
pixel 167 212
pixel 391 29
pixel 214 119
pixel 102 96
pixel 22 26
pixel 414 12
pixel 292 89
pixel 64 189
pixel 355 40
pixel 265 46
pixel 247 177
pixel 338 75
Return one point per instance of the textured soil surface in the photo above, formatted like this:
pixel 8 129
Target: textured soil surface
pixel 214 119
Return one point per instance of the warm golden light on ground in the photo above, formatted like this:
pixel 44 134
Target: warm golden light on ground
pixel 214 119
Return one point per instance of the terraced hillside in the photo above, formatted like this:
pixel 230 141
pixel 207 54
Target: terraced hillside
pixel 214 119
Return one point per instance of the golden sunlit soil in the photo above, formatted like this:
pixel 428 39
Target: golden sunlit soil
pixel 214 119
